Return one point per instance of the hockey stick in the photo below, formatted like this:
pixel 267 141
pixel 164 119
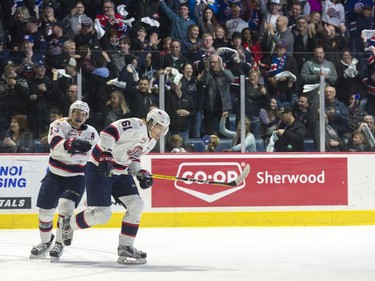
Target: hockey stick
pixel 237 181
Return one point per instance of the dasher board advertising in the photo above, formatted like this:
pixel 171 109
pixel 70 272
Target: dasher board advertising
pixel 271 182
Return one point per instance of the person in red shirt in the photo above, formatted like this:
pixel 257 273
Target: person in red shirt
pixel 111 20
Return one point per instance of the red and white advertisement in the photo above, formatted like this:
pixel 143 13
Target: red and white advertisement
pixel 271 182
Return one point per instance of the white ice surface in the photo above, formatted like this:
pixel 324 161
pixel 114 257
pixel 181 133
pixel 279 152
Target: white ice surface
pixel 195 254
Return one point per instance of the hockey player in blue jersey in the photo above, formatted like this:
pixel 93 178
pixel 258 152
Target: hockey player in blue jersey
pixel 117 154
pixel 71 142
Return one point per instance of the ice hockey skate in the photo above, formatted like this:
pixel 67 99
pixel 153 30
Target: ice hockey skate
pixel 41 250
pixel 66 230
pixel 56 252
pixel 130 255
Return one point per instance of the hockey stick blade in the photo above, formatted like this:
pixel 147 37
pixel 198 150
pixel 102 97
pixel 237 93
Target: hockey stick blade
pixel 237 181
pixel 242 176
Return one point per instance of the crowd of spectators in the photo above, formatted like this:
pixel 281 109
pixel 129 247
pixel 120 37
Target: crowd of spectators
pixel 121 47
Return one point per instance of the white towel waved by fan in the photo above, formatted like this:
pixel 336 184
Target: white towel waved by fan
pixel 271 144
pixel 285 74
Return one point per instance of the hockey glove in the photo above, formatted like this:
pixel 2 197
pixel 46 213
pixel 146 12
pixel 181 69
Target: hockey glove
pixel 105 166
pixel 145 179
pixel 73 144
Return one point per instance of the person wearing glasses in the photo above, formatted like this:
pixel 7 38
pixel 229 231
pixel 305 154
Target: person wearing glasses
pixel 111 20
pixel 69 97
pixel 217 80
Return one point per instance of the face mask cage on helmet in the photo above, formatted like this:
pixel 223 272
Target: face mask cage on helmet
pixel 80 105
pixel 158 116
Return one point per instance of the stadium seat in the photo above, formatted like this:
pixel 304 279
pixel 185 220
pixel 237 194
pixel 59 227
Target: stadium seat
pixel 362 105
pixel 308 145
pixel 224 144
pixel 198 144
pixel 38 147
pixel 232 122
pixel 260 145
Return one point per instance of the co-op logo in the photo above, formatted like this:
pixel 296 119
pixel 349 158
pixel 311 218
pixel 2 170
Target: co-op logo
pixel 213 171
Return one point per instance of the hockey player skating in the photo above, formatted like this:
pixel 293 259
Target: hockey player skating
pixel 71 142
pixel 117 153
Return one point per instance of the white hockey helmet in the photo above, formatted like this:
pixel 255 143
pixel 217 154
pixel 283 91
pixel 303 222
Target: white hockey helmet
pixel 81 105
pixel 158 116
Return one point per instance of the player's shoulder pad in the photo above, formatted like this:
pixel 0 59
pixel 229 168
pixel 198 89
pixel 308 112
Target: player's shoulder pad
pixel 60 122
pixel 89 127
pixel 137 123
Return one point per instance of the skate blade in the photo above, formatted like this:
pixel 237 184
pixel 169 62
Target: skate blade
pixel 131 261
pixel 38 257
pixel 54 259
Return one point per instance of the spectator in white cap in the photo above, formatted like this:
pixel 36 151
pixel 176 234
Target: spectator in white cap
pixel 269 14
pixel 68 76
pixel 71 62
